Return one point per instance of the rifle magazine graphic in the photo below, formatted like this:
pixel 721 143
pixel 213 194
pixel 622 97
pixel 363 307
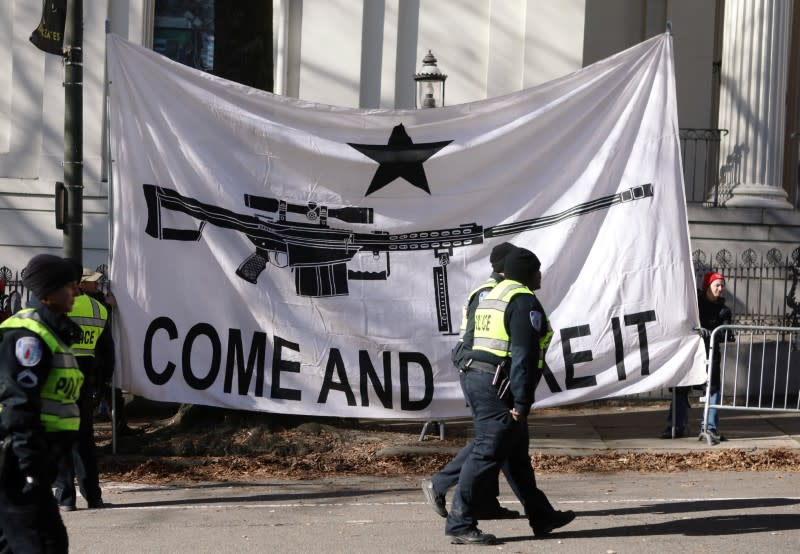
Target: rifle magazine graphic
pixel 321 280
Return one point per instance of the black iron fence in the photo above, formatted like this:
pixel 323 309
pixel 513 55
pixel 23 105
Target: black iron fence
pixel 710 179
pixel 700 151
pixel 761 290
pixel 12 293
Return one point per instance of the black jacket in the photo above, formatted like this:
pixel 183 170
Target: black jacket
pixel 524 372
pixel 712 315
pixel 34 450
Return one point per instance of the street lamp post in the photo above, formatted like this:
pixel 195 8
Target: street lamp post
pixel 73 131
pixel 430 94
pixel 430 83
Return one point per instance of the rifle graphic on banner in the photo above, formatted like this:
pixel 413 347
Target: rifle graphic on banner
pixel 319 254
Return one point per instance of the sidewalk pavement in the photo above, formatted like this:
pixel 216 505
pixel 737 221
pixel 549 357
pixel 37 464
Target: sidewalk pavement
pixel 593 430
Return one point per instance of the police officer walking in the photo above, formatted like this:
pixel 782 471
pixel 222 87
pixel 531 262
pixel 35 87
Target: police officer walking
pixel 95 354
pixel 498 378
pixel 39 387
pixel 443 480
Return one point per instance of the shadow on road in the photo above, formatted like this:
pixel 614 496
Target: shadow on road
pixel 695 506
pixel 719 525
pixel 257 498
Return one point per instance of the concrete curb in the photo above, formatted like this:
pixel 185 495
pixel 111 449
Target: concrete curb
pixel 596 430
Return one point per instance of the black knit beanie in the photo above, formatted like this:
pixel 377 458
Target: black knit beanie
pixel 521 264
pixel 46 273
pixel 498 256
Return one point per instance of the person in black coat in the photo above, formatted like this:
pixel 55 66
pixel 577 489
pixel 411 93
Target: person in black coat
pixel 95 356
pixel 713 313
pixel 443 480
pixel 39 386
pixel 499 378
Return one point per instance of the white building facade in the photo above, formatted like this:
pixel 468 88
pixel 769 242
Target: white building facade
pixel 737 68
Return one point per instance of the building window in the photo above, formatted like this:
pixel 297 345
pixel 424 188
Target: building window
pixel 229 39
pixel 184 32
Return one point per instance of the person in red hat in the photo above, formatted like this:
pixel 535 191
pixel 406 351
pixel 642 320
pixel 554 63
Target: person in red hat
pixel 713 313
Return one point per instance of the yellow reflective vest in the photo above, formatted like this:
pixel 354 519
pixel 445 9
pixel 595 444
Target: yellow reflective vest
pixel 491 334
pixel 60 391
pixel 92 316
pixel 491 282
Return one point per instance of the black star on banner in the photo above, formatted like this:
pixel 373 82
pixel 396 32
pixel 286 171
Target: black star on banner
pixel 399 158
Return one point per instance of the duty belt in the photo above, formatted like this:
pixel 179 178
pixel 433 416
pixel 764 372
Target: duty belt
pixel 477 365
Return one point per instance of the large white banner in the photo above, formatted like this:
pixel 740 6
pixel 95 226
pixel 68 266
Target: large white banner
pixel 272 254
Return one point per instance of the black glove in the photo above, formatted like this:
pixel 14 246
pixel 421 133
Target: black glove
pixel 705 333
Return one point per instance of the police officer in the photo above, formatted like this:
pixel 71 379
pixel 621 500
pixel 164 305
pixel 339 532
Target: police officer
pixel 499 377
pixel 90 285
pixel 443 480
pixel 95 354
pixel 39 387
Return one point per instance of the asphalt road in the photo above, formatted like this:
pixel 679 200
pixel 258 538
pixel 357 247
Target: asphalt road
pixel 690 512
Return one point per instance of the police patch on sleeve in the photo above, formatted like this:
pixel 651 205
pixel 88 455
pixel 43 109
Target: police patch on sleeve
pixel 537 320
pixel 28 351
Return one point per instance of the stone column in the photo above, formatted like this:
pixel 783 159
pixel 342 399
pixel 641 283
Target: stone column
pixel 755 54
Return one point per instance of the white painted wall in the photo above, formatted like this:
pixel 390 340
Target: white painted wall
pixel 6 29
pixel 693 46
pixel 32 129
pixel 611 26
pixel 507 47
pixel 554 39
pixel 458 35
pixel 330 59
pixel 614 25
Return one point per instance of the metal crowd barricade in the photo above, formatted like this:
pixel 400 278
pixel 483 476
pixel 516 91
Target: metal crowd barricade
pixel 427 426
pixel 759 371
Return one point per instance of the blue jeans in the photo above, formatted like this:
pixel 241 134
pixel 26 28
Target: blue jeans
pixel 498 438
pixel 447 478
pixel 713 415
